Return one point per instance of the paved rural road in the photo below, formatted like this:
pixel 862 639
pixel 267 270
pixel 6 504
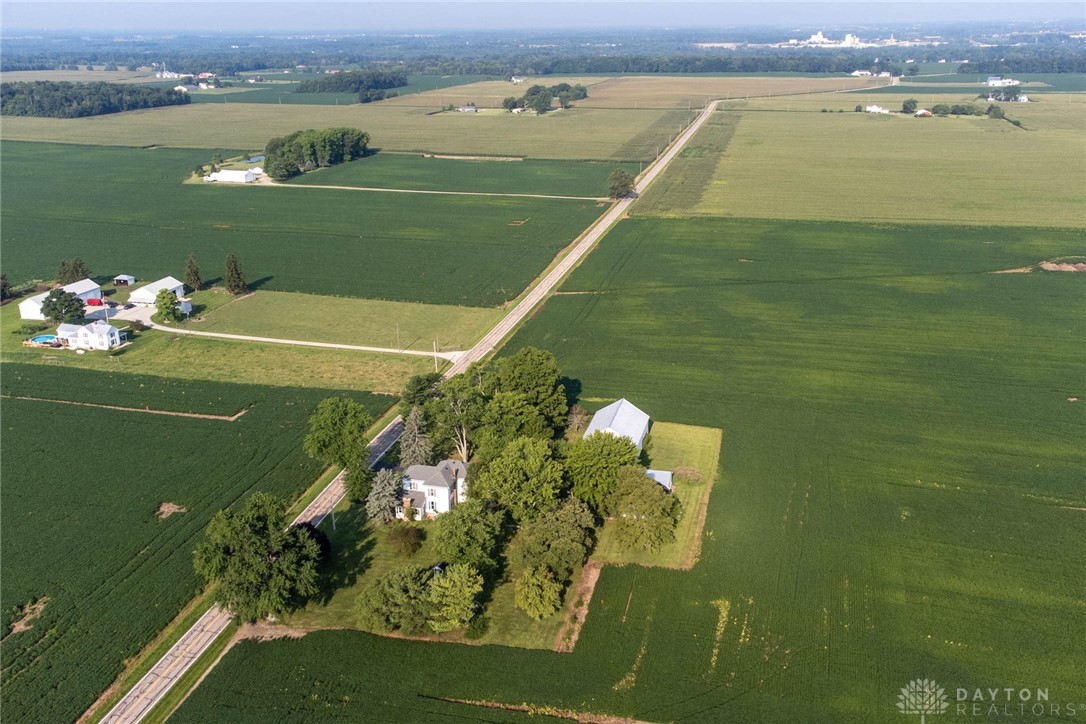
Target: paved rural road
pixel 508 323
pixel 154 685
pixel 193 643
pixel 144 315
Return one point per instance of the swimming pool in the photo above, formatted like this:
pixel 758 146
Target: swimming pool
pixel 44 339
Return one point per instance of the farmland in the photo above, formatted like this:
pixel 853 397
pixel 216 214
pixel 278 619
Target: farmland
pixel 577 134
pixel 900 478
pixel 770 157
pixel 695 90
pixel 477 251
pixel 281 90
pixel 413 171
pixel 84 488
pixel 396 325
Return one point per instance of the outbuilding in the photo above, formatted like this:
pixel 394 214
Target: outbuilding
pixel 621 419
pixel 123 280
pixel 661 478
pixel 85 289
pixel 146 295
pixel 232 176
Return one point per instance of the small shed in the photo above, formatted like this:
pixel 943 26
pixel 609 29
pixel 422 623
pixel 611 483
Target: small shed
pixel 232 176
pixel 123 280
pixel 621 419
pixel 661 477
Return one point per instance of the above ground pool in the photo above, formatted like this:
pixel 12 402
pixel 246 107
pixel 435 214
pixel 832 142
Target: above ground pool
pixel 44 339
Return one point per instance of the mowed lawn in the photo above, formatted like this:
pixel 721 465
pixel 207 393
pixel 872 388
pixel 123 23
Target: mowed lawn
pixel 790 160
pixel 900 486
pixel 81 490
pixel 396 325
pixel 199 358
pixel 577 134
pixel 415 171
pixel 438 249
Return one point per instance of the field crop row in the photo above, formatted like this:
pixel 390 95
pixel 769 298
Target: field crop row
pixel 414 171
pixel 439 249
pixel 787 163
pixel 577 134
pixel 79 528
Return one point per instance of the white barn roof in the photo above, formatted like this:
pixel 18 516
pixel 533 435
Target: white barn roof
pixel 146 294
pixel 622 419
pixel 81 287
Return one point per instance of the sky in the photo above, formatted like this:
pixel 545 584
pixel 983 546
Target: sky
pixel 409 15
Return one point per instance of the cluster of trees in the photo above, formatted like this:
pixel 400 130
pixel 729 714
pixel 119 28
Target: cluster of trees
pixel 1025 59
pixel 306 150
pixel 620 183
pixel 55 99
pixel 539 98
pixel 370 85
pixel 534 498
pixel 957 109
pixel 72 270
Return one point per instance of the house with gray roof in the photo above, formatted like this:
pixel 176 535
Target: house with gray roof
pixel 431 490
pixel 621 419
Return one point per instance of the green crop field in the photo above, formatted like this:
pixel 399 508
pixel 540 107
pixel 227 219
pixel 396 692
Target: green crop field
pixel 438 249
pixel 1031 82
pixel 396 325
pixel 900 486
pixel 82 486
pixel 414 171
pixel 858 166
pixel 577 134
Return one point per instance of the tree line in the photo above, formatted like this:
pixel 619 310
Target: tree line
pixel 539 98
pixel 61 99
pixel 306 150
pixel 370 85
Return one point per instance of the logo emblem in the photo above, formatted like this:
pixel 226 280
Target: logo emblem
pixel 923 697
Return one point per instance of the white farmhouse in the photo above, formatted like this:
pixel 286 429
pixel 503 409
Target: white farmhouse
pixel 876 109
pixel 96 335
pixel 431 490
pixel 621 419
pixel 85 289
pixel 232 176
pixel 145 296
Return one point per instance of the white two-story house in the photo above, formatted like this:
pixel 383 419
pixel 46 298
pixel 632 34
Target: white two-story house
pixel 431 490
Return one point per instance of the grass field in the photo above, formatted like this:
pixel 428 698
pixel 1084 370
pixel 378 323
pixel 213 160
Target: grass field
pixel 577 134
pixel 681 449
pixel 414 171
pixel 478 251
pixel 853 166
pixel 351 321
pixel 488 93
pixel 164 354
pixel 898 497
pixel 694 91
pixel 81 489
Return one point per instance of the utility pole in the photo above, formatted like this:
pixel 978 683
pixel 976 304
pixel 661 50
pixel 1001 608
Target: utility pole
pixel 435 355
pixel 398 337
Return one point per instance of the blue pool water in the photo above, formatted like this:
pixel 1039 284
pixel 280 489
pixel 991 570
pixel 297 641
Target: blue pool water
pixel 44 338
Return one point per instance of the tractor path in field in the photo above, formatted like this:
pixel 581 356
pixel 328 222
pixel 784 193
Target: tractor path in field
pixel 199 415
pixel 157 682
pixel 144 316
pixel 265 181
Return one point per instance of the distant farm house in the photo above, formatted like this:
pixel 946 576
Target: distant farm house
pixel 996 81
pixel 860 73
pixel 232 176
pixel 876 109
pixel 430 490
pixel 467 109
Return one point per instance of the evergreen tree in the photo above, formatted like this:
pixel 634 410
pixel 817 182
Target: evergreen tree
pixel 72 270
pixel 386 495
pixel 193 280
pixel 234 279
pixel 5 287
pixel 167 306
pixel 415 448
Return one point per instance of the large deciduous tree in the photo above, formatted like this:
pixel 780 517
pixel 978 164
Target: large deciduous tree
pixel 167 306
pixel 454 597
pixel 469 534
pixel 261 565
pixel 233 278
pixel 385 496
pixel 534 374
pixel 645 515
pixel 525 479
pixel 358 482
pixel 62 307
pixel 592 466
pixel 620 184
pixel 537 593
pixel 337 432
pixel 458 411
pixel 560 540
